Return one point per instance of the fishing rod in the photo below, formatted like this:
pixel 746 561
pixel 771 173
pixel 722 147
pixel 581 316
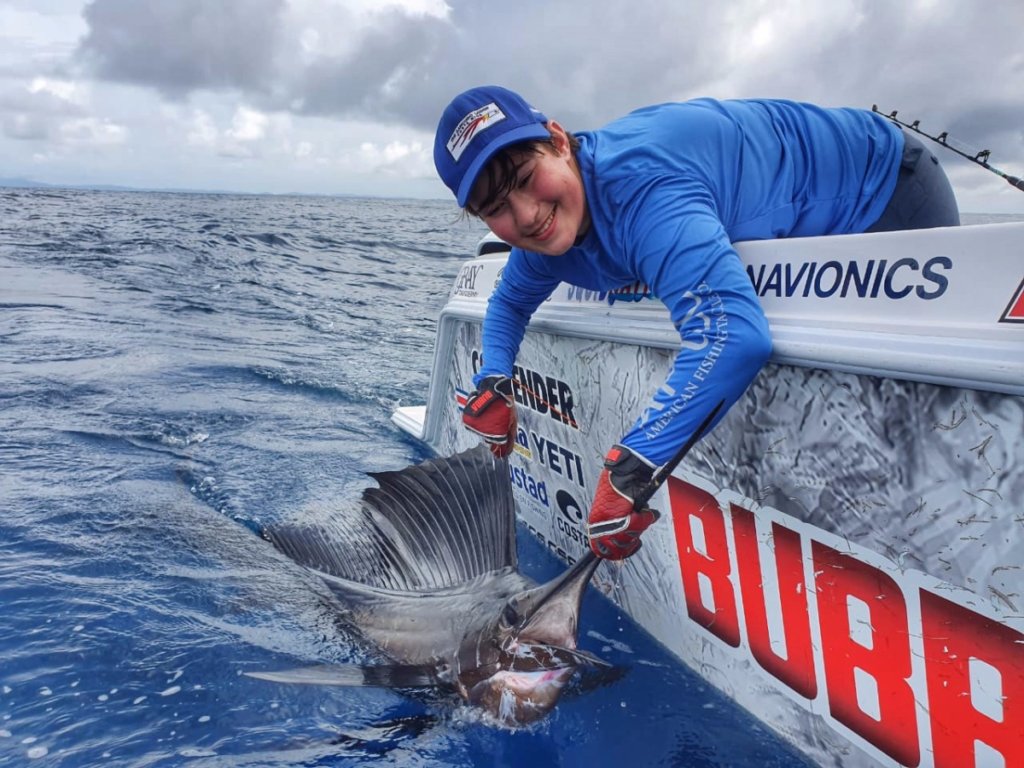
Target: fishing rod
pixel 666 469
pixel 979 158
pixel 660 476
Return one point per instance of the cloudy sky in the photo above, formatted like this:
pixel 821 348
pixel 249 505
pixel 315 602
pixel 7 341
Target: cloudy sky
pixel 342 96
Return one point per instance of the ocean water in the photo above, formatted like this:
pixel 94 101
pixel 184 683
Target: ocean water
pixel 178 370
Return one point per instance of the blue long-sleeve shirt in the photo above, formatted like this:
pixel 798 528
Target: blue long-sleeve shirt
pixel 669 188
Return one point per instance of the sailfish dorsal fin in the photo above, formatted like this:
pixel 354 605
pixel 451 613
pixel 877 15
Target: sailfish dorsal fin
pixel 429 526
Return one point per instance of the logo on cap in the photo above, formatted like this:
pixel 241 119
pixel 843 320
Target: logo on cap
pixel 470 127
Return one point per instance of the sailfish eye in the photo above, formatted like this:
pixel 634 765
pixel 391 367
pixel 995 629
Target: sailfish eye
pixel 510 614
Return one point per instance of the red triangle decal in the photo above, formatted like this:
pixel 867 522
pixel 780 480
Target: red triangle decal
pixel 1015 309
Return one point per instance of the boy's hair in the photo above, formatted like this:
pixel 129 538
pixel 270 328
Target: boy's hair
pixel 502 170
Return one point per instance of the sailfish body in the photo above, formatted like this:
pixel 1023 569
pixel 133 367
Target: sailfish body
pixel 425 569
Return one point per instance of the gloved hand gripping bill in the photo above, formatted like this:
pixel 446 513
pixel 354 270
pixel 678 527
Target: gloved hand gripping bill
pixel 615 526
pixel 490 412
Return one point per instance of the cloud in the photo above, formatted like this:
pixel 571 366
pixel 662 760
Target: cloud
pixel 36 111
pixel 248 125
pixel 330 76
pixel 249 133
pixel 402 62
pixel 177 46
pixel 37 37
pixel 396 158
pixel 303 57
pixel 587 64
pixel 25 126
pixel 91 132
pixel 201 130
pixel 383 73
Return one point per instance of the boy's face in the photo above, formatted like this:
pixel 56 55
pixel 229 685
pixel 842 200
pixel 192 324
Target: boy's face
pixel 545 209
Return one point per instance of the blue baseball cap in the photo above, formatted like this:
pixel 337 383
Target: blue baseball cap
pixel 476 124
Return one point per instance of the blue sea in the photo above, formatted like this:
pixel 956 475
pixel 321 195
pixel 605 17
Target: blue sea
pixel 177 370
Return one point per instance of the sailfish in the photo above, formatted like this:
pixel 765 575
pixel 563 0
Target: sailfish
pixel 425 570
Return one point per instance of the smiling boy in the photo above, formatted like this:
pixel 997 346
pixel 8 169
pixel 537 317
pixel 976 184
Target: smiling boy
pixel 659 196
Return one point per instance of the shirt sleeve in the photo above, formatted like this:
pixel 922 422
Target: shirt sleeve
pixel 524 285
pixel 681 250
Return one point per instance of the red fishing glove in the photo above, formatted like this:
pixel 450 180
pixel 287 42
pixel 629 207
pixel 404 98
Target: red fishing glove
pixel 491 413
pixel 614 527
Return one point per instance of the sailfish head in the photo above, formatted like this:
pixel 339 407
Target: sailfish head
pixel 516 666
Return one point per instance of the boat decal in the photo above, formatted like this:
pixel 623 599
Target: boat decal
pixel 465 282
pixel 868 279
pixel 1014 312
pixel 913 670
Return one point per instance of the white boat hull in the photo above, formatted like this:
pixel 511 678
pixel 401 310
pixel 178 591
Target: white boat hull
pixel 844 554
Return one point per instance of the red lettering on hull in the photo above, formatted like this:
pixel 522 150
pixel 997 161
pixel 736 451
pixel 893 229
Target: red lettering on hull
pixel 796 667
pixel 985 703
pixel 960 704
pixel 864 642
pixel 704 563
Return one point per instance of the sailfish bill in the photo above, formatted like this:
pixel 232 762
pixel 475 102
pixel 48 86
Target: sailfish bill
pixel 378 676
